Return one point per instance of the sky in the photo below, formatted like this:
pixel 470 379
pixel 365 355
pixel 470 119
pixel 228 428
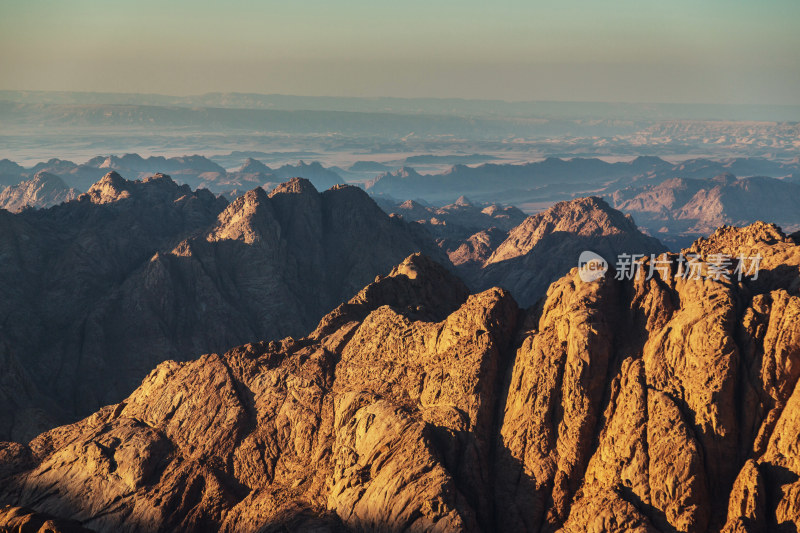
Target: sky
pixel 681 51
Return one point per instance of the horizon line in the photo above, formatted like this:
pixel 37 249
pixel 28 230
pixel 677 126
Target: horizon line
pixel 402 98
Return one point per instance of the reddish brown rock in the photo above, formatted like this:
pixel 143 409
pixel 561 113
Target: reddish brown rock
pixel 656 404
pixel 546 246
pixel 364 426
pixel 25 520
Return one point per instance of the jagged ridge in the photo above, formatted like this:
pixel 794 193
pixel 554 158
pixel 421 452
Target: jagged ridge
pixel 653 404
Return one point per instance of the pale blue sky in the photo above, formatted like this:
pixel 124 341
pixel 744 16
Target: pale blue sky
pixel 726 51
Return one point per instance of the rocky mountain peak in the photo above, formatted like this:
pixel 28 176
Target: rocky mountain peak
pixel 760 246
pixel 126 161
pixel 158 187
pixel 463 201
pixel 418 287
pixel 110 188
pixel 546 246
pixel 477 248
pixel 10 167
pixel 246 219
pixel 584 217
pixel 254 166
pixel 406 172
pixel 730 239
pixel 294 186
pixel 411 204
pixel 418 265
pixel 343 197
pixel 43 177
pixel 43 190
pixel 160 179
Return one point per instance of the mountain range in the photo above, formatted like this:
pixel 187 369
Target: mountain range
pixel 557 179
pixel 647 404
pixel 271 313
pixel 699 206
pixel 99 290
pixel 678 202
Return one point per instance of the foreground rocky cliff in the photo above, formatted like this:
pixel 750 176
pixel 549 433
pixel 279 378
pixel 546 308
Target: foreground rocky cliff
pixel 656 404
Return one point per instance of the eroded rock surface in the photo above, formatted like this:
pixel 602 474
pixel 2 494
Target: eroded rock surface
pixel 359 425
pixel 660 404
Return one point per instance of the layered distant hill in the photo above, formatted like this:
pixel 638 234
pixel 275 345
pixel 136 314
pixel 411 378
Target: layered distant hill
pixel 683 206
pixel 676 201
pixel 195 170
pixel 253 171
pixel 555 179
pixel 535 183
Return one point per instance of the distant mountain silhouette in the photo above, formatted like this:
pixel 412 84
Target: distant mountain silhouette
pixel 699 206
pixel 557 179
pixel 43 190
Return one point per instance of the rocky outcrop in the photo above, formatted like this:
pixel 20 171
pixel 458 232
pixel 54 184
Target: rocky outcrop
pixel 43 190
pixel 546 246
pixel 99 291
pixel 362 426
pixel 642 396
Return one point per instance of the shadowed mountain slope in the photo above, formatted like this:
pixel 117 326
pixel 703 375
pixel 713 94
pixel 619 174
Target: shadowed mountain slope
pixel 99 291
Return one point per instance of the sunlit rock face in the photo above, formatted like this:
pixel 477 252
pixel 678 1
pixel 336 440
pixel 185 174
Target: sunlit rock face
pixel 654 404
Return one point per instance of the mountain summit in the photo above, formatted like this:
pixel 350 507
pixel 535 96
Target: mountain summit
pixel 547 245
pixel 43 190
